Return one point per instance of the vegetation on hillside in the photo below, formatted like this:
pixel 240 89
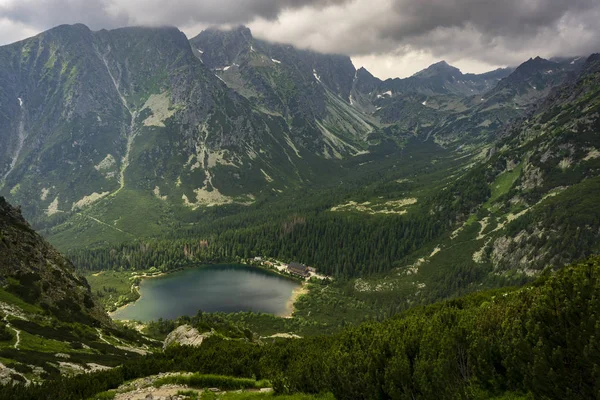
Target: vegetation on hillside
pixel 538 340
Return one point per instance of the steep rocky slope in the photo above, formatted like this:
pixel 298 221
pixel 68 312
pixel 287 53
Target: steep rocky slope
pixel 533 80
pixel 555 152
pixel 50 323
pixel 132 116
pixel 311 91
pixel 461 109
pixel 32 270
pixel 538 207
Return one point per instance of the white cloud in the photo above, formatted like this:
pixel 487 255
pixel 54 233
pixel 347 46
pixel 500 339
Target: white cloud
pixel 11 31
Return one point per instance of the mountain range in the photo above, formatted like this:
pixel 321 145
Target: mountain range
pixel 143 115
pixel 124 135
pixel 135 149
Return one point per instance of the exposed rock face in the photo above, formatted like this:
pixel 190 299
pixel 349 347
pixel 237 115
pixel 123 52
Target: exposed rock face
pixel 34 271
pixel 88 114
pixel 186 335
pixel 311 90
pixel 551 210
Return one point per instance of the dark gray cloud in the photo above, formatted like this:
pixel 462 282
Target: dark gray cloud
pixel 488 17
pixel 45 14
pixel 214 12
pixel 482 26
pixel 112 13
pixel 469 32
pixel 473 33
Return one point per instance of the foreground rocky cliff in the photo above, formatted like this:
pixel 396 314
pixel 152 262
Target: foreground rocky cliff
pixel 50 323
pixel 34 271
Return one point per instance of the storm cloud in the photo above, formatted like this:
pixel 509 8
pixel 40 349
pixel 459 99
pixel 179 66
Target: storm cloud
pixel 116 13
pixel 393 37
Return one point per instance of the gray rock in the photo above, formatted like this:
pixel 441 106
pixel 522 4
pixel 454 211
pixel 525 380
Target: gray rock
pixel 186 335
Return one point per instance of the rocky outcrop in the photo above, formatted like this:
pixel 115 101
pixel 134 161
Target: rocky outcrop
pixel 186 335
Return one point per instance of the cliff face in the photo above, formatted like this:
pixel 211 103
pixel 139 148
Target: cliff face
pixel 35 272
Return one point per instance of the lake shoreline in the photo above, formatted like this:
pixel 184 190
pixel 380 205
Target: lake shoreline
pixel 273 271
pixel 289 306
pixel 296 293
pixel 144 276
pixel 137 288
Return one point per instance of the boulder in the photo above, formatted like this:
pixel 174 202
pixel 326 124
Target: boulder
pixel 186 335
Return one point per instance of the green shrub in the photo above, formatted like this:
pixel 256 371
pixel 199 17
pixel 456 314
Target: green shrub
pixel 206 381
pixel 104 396
pixel 191 395
pixel 5 333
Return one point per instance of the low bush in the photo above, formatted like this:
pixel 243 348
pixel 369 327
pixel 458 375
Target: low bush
pixel 210 381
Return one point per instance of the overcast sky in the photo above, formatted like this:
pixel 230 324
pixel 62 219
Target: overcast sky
pixel 389 37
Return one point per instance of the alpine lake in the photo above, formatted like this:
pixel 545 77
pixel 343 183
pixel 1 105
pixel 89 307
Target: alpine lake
pixel 212 288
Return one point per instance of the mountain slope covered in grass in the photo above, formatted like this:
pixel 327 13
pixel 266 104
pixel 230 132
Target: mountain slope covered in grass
pixel 32 270
pixel 311 91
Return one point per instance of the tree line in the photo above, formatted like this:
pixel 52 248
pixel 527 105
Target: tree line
pixel 342 244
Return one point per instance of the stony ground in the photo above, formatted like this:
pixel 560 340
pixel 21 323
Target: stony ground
pixel 143 389
pixel 167 392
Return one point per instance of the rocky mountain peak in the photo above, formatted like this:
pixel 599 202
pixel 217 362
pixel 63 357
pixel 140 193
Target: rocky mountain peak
pixel 80 28
pixel 243 31
pixel 365 81
pixel 219 48
pixel 533 65
pixel 363 73
pixel 441 68
pixel 63 35
pixel 593 61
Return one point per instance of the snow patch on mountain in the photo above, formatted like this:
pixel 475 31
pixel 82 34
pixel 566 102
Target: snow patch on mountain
pixel 317 77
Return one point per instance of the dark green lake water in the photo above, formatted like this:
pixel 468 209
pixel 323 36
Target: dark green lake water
pixel 226 288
